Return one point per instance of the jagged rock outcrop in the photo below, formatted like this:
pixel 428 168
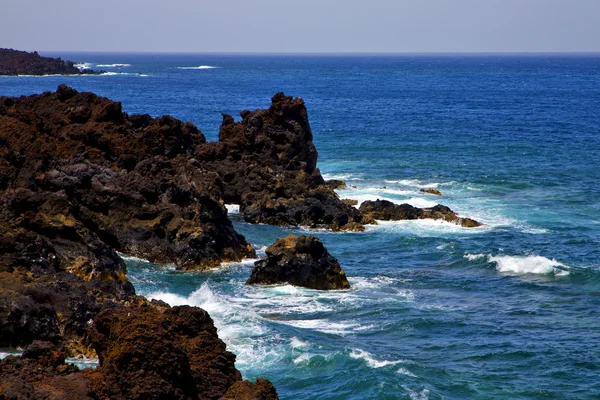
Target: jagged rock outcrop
pixel 75 164
pixel 336 184
pixel 300 261
pixel 268 165
pixel 388 211
pixel 41 373
pixel 149 352
pixel 80 180
pixel 431 191
pixel 15 62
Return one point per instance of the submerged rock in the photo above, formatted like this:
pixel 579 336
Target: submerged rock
pixel 431 191
pixel 300 261
pixel 15 62
pixel 151 351
pixel 388 211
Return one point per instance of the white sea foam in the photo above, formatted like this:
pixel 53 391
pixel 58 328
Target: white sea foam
pixel 125 257
pixel 298 344
pixel 535 231
pixel 472 257
pixel 404 371
pixel 82 66
pixel 371 360
pixel 528 265
pixel 83 362
pixel 246 321
pixel 420 202
pixel 414 395
pixel 302 358
pixel 522 265
pixel 342 177
pixel 113 65
pixel 261 251
pixel 199 67
pixel 425 228
pixel 326 326
pixel 415 183
pixel 246 262
pixel 4 354
pixel 242 329
pixel 233 208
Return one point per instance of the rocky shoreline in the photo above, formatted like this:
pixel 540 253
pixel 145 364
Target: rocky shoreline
pixel 15 62
pixel 80 181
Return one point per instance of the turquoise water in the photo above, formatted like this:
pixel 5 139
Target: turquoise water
pixel 509 310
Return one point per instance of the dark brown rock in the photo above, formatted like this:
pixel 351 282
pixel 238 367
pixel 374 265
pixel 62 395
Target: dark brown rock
pixel 262 389
pixel 335 184
pixel 41 373
pixel 80 180
pixel 268 165
pixel 149 352
pixel 431 191
pixel 300 261
pixel 77 166
pixel 14 62
pixel 388 211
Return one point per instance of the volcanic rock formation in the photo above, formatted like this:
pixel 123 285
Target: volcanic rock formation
pixel 388 211
pixel 151 351
pixel 268 165
pixel 300 261
pixel 80 180
pixel 15 62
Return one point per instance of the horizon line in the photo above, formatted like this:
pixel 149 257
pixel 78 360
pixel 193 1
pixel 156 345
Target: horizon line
pixel 341 53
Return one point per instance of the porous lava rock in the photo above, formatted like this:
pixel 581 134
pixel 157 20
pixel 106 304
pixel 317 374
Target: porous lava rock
pixel 300 261
pixel 268 165
pixel 262 389
pixel 81 180
pixel 388 211
pixel 15 62
pixel 431 191
pixel 41 373
pixel 75 167
pixel 151 351
pixel 336 184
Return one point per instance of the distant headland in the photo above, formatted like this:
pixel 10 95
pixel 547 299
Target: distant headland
pixel 15 62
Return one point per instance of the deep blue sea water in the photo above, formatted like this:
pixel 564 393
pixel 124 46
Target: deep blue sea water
pixel 507 311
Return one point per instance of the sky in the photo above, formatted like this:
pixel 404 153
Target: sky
pixel 301 26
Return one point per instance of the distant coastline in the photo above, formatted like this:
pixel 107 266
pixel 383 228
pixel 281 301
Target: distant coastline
pixel 15 62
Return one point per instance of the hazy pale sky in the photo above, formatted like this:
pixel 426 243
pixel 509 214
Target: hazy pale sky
pixel 301 26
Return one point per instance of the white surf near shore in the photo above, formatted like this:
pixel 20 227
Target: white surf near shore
pixel 199 67
pixel 113 65
pixel 522 265
pixel 232 208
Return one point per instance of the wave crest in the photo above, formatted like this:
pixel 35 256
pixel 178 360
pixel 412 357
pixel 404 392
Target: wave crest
pixel 521 265
pixel 199 67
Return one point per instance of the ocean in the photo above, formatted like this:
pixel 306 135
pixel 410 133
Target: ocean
pixel 510 310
